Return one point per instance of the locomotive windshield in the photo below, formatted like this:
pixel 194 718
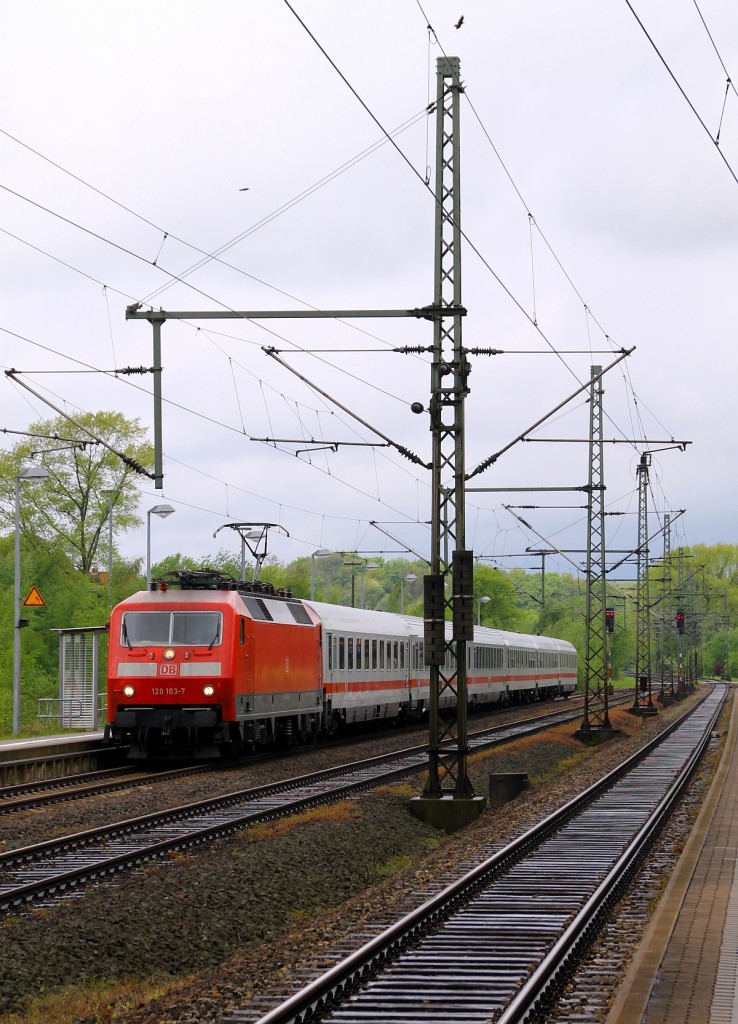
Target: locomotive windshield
pixel 168 629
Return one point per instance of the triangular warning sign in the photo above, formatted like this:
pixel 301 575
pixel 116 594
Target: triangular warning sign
pixel 34 599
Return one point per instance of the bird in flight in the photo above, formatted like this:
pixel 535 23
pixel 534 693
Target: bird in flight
pixel 460 22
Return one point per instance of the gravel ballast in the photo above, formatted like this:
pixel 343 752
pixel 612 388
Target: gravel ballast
pixel 228 922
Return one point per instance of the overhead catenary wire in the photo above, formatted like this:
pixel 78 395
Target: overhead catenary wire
pixel 714 46
pixel 684 95
pixel 426 185
pixel 532 222
pixel 179 277
pixel 231 366
pixel 131 462
pixel 174 404
pixel 189 410
pixel 398 447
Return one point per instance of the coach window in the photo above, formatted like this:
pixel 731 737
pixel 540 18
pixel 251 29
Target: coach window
pixel 381 655
pixel 358 654
pixel 350 654
pixel 395 655
pixel 329 643
pixel 374 654
pixel 341 653
pixel 366 654
pixel 402 654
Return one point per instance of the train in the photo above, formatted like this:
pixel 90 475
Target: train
pixel 203 666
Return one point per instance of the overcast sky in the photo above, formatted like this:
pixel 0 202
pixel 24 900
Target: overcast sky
pixel 596 201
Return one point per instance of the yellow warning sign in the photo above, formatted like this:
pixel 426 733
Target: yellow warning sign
pixel 34 599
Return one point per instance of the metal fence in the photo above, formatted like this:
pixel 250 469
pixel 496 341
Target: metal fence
pixel 72 713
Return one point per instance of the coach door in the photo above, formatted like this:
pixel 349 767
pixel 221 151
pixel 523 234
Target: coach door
pixel 330 665
pixel 413 669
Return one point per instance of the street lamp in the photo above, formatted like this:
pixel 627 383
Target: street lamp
pixel 32 475
pixel 158 510
pixel 363 565
pixel 320 553
pixel 352 565
pixel 480 602
pixel 409 577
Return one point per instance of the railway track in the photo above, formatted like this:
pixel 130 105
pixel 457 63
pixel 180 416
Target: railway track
pixel 497 944
pixel 42 792
pixel 26 795
pixel 54 867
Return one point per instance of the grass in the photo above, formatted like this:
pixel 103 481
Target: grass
pixel 392 866
pixel 100 1001
pixel 345 810
pixel 561 734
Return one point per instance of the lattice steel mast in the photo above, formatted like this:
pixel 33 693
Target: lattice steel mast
pixel 643 701
pixel 596 682
pixel 667 615
pixel 450 562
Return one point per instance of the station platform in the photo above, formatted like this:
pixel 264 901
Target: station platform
pixel 43 746
pixel 686 968
pixel 32 758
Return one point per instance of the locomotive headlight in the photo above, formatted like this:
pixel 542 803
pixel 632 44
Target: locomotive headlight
pixel 208 690
pixel 129 690
pixel 168 654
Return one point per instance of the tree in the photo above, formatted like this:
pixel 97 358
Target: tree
pixel 70 509
pixel 501 610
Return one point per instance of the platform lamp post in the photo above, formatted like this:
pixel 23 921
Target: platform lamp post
pixel 320 553
pixel 158 510
pixel 32 475
pixel 409 577
pixel 480 602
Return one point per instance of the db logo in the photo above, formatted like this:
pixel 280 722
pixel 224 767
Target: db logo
pixel 168 670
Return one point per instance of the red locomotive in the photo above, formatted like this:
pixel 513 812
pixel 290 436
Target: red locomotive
pixel 204 666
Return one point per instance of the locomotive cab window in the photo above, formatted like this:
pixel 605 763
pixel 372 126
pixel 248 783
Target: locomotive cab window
pixel 168 629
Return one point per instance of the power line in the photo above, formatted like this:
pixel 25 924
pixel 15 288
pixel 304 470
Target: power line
pixel 714 46
pixel 676 82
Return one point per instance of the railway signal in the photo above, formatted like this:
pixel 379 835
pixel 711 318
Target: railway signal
pixel 679 621
pixel 610 619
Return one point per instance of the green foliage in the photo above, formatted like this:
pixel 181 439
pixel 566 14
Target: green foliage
pixel 70 510
pixel 502 610
pixel 71 599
